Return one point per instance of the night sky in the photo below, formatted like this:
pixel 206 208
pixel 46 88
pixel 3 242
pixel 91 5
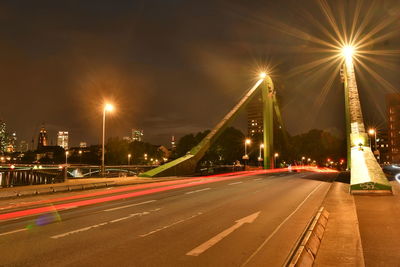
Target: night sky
pixel 173 67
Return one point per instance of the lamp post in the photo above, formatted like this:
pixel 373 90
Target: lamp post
pixel 107 107
pixel 247 141
pixel 129 159
pixel 260 159
pixel 66 157
pixel 373 133
pixel 80 156
pixel 276 155
pixel 302 160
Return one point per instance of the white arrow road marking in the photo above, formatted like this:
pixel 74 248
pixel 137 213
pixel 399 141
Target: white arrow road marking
pixel 102 224
pixel 196 191
pixel 172 224
pixel 208 244
pixel 131 205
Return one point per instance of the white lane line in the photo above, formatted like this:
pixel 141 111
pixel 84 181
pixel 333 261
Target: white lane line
pixel 235 183
pixel 15 231
pixel 211 242
pixel 257 179
pixel 102 224
pixel 196 191
pixel 279 226
pixel 170 225
pixel 131 205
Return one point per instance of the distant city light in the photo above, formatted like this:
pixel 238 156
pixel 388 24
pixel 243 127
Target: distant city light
pixel 248 141
pixel 371 131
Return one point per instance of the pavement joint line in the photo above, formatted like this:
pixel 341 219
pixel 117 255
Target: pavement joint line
pixel 235 183
pixel 84 229
pixel 130 205
pixel 13 232
pixel 170 225
pixel 196 191
pixel 280 225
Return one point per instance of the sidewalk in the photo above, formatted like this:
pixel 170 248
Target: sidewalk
pixel 380 227
pixel 341 243
pixel 75 184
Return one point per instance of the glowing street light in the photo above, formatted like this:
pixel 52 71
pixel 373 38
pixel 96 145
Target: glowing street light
pixel 348 52
pixel 276 155
pixel 66 157
pixel 260 155
pixel 129 159
pixel 373 133
pixel 247 141
pixel 262 75
pixel 107 108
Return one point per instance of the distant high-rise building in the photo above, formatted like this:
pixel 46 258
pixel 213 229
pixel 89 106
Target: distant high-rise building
pixel 3 137
pixel 173 143
pixel 382 145
pixel 83 145
pixel 62 139
pixel 23 146
pixel 137 135
pixel 255 116
pixel 12 143
pixel 393 113
pixel 42 142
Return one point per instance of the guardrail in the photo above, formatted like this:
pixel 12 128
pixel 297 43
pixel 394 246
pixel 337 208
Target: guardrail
pixel 18 177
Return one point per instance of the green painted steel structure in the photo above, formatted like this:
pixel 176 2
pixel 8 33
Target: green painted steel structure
pixel 186 165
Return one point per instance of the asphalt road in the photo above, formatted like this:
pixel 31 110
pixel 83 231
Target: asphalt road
pixel 250 220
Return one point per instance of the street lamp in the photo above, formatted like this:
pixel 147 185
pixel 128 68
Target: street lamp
pixel 80 156
pixel 373 133
pixel 302 160
pixel 247 141
pixel 260 155
pixel 262 75
pixel 109 108
pixel 129 159
pixel 66 157
pixel 276 155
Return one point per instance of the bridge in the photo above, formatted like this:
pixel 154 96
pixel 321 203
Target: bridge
pixel 366 174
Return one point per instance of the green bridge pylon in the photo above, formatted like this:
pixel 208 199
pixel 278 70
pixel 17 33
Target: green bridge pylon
pixel 186 165
pixel 366 175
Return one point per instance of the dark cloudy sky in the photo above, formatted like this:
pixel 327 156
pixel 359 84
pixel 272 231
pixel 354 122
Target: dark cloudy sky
pixel 171 67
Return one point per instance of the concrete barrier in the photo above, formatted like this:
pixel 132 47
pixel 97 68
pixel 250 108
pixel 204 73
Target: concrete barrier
pixel 306 248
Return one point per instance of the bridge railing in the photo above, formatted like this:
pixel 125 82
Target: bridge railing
pixel 19 177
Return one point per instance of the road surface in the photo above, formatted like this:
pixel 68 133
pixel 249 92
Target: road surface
pixel 237 220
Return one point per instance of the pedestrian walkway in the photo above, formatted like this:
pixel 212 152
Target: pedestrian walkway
pixel 341 243
pixel 379 222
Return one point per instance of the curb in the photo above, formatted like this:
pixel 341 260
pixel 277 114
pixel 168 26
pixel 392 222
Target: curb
pixel 307 246
pixel 57 189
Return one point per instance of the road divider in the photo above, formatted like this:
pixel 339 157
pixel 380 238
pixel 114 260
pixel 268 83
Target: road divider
pixel 306 249
pixel 84 229
pixel 197 191
pixel 170 225
pixel 130 205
